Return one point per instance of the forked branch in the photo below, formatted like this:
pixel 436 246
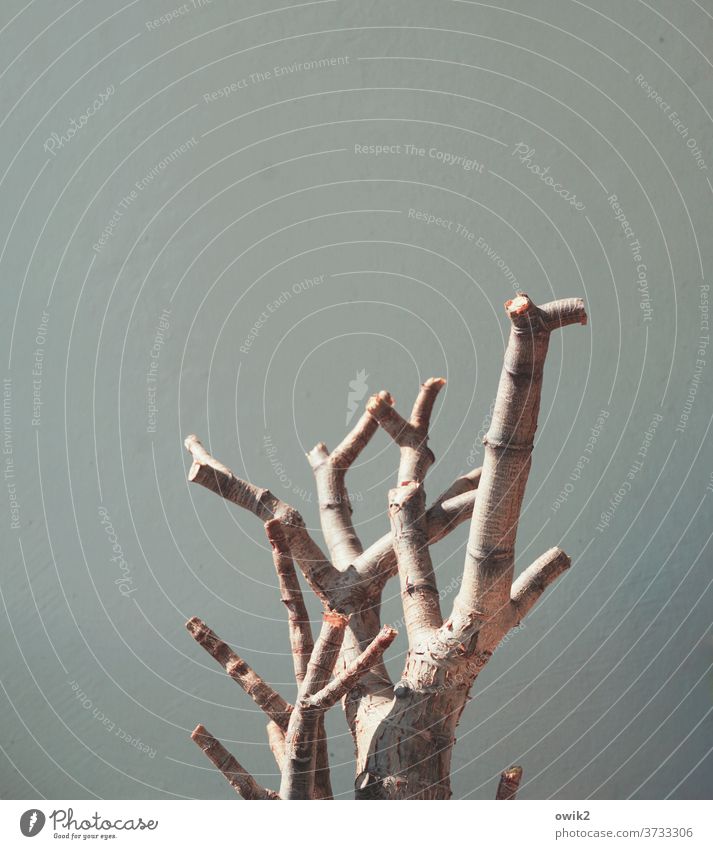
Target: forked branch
pixel 335 509
pixel 410 435
pixel 448 511
pixel 489 559
pixel 330 694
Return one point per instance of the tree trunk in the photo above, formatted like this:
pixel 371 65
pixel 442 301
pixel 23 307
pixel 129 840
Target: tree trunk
pixel 406 752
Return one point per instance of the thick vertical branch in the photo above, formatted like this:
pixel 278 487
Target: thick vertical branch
pixel 488 572
pixel 407 508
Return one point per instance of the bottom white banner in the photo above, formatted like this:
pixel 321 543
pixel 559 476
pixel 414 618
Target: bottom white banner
pixel 348 824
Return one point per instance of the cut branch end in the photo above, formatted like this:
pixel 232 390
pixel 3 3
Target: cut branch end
pixel 509 783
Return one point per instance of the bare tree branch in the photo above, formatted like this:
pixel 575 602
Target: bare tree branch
pixel 329 695
pixel 375 685
pixel 210 473
pixel 322 773
pixel 462 484
pixel 345 454
pixel 509 783
pixel 239 779
pixel 298 623
pixel 412 435
pixel 530 585
pixel 450 509
pixel 423 405
pixel 345 547
pixel 259 690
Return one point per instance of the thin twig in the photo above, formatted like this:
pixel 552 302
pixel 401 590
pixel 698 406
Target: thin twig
pixel 411 436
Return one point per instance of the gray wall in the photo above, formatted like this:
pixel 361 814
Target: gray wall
pixel 607 690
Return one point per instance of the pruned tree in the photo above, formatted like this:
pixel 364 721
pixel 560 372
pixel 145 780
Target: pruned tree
pixel 404 731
